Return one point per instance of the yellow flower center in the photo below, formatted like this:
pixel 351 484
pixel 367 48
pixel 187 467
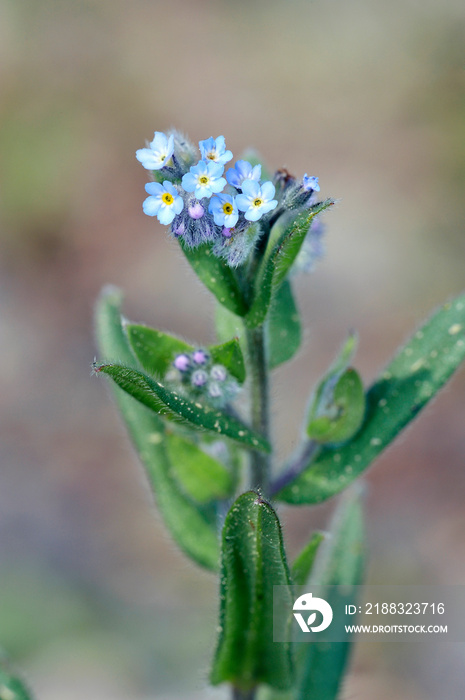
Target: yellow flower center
pixel 167 198
pixel 211 155
pixel 162 157
pixel 257 202
pixel 203 180
pixel 227 208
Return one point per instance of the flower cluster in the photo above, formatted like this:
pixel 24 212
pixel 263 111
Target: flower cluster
pixel 200 377
pixel 204 204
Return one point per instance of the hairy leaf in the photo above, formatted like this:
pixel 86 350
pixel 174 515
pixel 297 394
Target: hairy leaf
pixel 284 332
pixel 156 350
pixel 158 398
pixel 218 277
pixel 252 562
pixel 338 409
pixel 192 527
pixel 277 264
pixel 409 382
pixel 340 561
pixel 303 563
pixel 201 476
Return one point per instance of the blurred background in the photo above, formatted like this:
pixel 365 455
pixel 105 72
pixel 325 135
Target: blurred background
pixel 95 601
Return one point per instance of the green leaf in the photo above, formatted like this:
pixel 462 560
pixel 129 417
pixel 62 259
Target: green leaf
pixel 163 401
pixel 12 688
pixel 217 276
pixel 252 562
pixel 303 563
pixel 230 355
pixel 414 376
pixel 337 411
pixel 277 264
pixel 156 350
pixel 284 333
pixel 192 527
pixel 201 476
pixel 340 561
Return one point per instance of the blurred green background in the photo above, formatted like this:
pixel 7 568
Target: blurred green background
pixel 94 599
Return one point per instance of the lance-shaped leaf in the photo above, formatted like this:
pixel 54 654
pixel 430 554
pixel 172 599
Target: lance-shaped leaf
pixel 284 332
pixel 277 263
pixel 156 350
pixel 414 376
pixel 252 562
pixel 303 563
pixel 12 687
pixel 158 398
pixel 192 527
pixel 320 666
pixel 217 276
pixel 338 408
pixel 201 476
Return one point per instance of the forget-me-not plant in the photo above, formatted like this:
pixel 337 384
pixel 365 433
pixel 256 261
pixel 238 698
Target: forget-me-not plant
pixel 201 422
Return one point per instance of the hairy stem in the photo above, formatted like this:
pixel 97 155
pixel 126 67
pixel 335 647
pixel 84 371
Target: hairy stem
pixel 243 695
pixel 259 395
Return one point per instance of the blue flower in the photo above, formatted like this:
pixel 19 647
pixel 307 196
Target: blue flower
pixel 255 200
pixel 243 170
pixel 204 179
pixel 224 210
pixel 158 154
pixel 164 201
pixel 215 150
pixel 310 183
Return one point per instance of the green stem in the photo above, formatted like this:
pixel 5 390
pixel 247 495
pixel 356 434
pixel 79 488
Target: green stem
pixel 259 396
pixel 243 695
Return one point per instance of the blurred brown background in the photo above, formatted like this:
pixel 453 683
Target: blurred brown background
pixel 94 599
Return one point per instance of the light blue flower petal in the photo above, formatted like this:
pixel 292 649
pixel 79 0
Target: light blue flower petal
pixel 268 206
pixel 256 172
pixel 151 205
pixel 189 182
pixel 154 188
pixel 225 157
pixel 251 188
pixel 217 185
pixel 169 187
pixel 170 149
pixel 159 140
pixel 233 178
pixel 243 202
pixel 218 218
pixel 202 191
pixel 268 190
pixel 230 220
pixel 147 158
pixel 214 170
pixel 206 146
pixel 166 214
pixel 178 205
pixel 253 214
pixel 220 143
pixel 215 206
